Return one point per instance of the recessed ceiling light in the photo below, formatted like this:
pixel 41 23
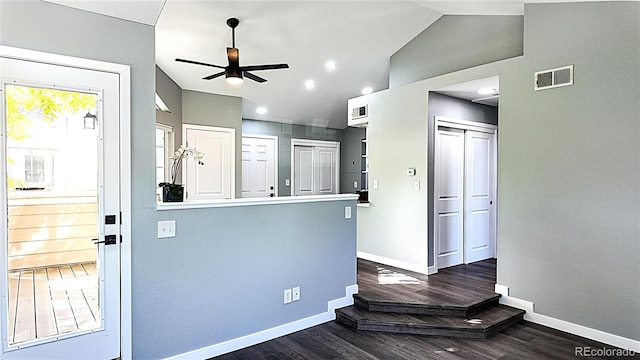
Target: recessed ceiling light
pixel 309 84
pixel 367 90
pixel 261 110
pixel 330 65
pixel 487 91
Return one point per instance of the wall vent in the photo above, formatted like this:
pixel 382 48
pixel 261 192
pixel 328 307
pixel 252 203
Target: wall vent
pixel 359 112
pixel 553 78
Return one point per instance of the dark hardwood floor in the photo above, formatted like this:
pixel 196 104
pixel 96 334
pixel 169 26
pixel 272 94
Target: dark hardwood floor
pixel 453 285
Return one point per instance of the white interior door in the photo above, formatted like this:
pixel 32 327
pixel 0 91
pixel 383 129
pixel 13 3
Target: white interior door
pixel 215 179
pixel 449 196
pixel 326 180
pixel 479 189
pixel 60 189
pixel 259 166
pixel 303 171
pixel 315 167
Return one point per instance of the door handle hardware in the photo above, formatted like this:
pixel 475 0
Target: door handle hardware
pixel 108 240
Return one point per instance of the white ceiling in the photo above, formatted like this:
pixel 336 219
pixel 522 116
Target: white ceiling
pixel 359 35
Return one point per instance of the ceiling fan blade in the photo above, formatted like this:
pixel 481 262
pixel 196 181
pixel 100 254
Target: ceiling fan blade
pixel 213 76
pixel 254 77
pixel 199 63
pixel 264 67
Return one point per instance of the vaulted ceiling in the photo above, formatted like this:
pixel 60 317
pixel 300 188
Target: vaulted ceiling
pixel 360 36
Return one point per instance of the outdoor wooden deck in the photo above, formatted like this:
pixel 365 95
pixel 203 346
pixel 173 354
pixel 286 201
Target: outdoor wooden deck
pixel 45 302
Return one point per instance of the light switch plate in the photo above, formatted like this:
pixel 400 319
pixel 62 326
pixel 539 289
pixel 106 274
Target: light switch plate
pixel 375 184
pixel 347 212
pixel 355 184
pixel 166 229
pixel 287 182
pixel 416 185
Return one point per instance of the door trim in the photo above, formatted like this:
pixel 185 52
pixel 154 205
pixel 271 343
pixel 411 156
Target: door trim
pixel 276 150
pixel 473 126
pixel 124 72
pixel 323 143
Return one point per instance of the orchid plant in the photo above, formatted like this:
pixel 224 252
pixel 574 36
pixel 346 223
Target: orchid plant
pixel 183 153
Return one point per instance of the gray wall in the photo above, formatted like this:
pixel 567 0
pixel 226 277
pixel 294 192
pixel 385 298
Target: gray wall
pixel 477 40
pixel 568 166
pixel 218 279
pixel 447 106
pixel 286 132
pixel 171 95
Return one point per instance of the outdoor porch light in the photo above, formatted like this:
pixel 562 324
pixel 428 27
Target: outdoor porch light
pixel 90 121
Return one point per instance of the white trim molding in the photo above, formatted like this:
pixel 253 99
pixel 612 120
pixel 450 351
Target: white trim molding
pixel 580 330
pixel 272 333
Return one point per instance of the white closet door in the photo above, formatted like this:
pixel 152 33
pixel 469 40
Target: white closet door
pixel 449 196
pixel 479 214
pixel 325 168
pixel 303 171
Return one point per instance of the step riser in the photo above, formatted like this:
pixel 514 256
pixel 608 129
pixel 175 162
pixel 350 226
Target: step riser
pixel 410 325
pixel 425 309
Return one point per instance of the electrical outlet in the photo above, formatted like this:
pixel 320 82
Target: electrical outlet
pixel 287 182
pixel 166 229
pixel 287 296
pixel 296 293
pixel 347 212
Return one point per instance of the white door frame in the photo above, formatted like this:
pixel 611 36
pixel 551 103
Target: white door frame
pixel 275 156
pixel 323 143
pixel 473 126
pixel 124 72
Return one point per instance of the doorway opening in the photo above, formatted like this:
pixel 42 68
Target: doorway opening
pixel 463 160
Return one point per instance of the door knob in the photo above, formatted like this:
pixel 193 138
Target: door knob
pixel 108 240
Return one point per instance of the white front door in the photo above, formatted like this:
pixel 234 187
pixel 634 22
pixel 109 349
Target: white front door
pixel 215 180
pixel 259 166
pixel 479 214
pixel 60 190
pixel 449 196
pixel 315 167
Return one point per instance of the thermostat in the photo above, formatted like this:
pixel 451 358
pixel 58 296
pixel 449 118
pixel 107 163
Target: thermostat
pixel 411 172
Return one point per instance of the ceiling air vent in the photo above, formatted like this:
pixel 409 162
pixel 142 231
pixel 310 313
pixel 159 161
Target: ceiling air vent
pixel 553 78
pixel 359 112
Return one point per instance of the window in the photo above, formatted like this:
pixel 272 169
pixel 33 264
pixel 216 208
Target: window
pixel 34 169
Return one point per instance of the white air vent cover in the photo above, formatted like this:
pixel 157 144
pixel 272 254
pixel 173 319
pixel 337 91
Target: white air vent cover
pixel 553 78
pixel 359 112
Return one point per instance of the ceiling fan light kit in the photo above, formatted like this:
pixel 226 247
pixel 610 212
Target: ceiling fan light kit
pixel 234 73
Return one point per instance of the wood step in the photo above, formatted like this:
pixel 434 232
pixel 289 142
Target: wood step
pixel 461 307
pixel 482 325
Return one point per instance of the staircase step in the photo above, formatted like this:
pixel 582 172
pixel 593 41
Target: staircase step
pixel 482 325
pixel 444 307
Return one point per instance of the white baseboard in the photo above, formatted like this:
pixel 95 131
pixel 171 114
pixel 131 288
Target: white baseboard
pixel 586 332
pixel 422 269
pixel 270 334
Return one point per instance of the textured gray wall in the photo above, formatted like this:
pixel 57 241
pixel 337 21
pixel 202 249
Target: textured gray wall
pixel 569 168
pixel 223 275
pixel 286 132
pixel 447 106
pixel 454 43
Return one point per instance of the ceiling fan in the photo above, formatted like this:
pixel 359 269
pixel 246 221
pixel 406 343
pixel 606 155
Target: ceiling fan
pixel 234 72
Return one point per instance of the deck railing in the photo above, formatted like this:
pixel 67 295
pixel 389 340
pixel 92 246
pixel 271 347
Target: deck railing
pixel 47 230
